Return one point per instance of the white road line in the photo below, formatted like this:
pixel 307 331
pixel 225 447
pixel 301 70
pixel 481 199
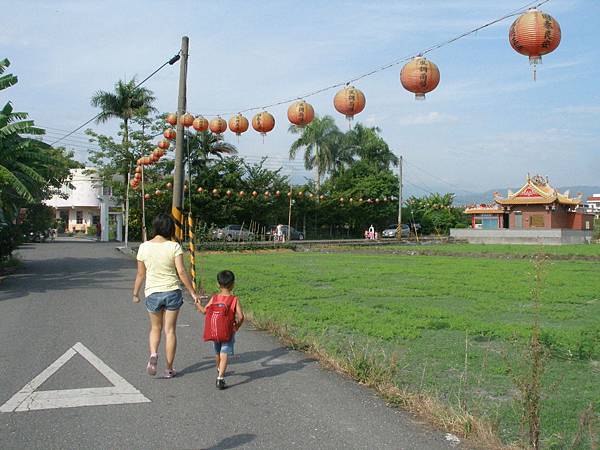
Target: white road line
pixel 29 398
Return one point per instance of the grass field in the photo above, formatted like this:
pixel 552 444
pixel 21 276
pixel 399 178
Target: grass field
pixel 421 312
pixel 563 251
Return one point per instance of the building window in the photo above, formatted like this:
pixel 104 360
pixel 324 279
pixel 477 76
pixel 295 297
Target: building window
pixel 536 220
pixel 79 215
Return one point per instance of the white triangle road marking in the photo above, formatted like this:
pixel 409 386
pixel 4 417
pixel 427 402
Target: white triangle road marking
pixel 29 398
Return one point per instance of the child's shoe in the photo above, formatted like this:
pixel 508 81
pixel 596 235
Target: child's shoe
pixel 220 383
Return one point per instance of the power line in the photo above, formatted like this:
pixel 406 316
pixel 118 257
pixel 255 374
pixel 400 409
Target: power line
pixel 171 61
pixel 533 4
pixel 438 178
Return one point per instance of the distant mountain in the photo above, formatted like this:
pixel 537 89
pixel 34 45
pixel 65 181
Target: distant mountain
pixel 488 196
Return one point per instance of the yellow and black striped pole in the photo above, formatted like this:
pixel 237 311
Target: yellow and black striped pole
pixel 192 250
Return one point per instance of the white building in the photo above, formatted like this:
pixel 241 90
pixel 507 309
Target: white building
pixel 88 203
pixel 592 205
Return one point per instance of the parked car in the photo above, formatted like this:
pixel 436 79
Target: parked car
pixel 295 235
pixel 232 233
pixel 390 232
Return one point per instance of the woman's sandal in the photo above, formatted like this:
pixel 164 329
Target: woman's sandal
pixel 169 373
pixel 151 367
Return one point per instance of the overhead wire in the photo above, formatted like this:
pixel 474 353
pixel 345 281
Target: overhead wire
pixel 436 177
pixel 171 61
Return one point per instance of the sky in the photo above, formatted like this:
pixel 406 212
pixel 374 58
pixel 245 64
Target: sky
pixel 486 126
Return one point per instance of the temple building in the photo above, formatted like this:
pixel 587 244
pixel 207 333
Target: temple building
pixel 536 213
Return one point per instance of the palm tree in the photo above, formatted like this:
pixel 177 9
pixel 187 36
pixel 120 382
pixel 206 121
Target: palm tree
pixel 204 145
pixel 30 170
pixel 366 143
pixel 320 140
pixel 125 103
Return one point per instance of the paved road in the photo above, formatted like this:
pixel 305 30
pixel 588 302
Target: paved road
pixel 75 292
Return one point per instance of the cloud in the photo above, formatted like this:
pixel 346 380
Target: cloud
pixel 427 119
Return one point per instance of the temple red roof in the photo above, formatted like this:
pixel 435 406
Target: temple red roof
pixel 537 190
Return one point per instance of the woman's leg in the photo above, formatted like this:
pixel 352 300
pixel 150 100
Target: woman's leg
pixel 171 337
pixel 156 323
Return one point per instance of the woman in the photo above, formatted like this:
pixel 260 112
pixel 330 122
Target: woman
pixel 160 262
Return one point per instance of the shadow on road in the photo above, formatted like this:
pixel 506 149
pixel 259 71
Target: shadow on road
pixel 233 442
pixel 68 273
pixel 270 367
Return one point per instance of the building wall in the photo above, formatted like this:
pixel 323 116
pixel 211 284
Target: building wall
pixel 538 217
pixel 86 190
pixel 525 236
pixel 87 216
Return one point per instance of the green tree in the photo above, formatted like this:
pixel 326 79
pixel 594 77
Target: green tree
pixel 203 146
pixel 30 170
pixel 126 103
pixel 320 140
pixel 366 144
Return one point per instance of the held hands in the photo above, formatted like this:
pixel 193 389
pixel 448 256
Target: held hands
pixel 198 302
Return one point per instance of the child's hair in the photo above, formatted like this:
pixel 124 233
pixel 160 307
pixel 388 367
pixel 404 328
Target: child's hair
pixel 226 278
pixel 163 225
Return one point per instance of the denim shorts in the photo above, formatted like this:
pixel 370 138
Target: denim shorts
pixel 225 347
pixel 170 300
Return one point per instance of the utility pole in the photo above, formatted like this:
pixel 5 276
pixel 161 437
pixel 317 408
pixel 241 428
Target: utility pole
pixel 127 206
pixel 177 206
pixel 399 230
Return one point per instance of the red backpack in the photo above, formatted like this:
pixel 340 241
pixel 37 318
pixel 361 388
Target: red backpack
pixel 220 317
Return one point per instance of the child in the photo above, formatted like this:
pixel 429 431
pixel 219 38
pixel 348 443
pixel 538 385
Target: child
pixel 223 350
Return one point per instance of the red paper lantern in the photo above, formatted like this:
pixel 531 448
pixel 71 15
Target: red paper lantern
pixel 132 183
pixel 200 124
pixel 238 124
pixel 138 169
pixel 267 194
pixel 187 119
pixel 300 194
pixel 157 153
pixel 170 134
pixel 172 119
pixel 200 190
pixel 263 122
pixel 289 194
pixel 147 160
pixel 228 193
pixel 164 144
pixel 157 192
pixel 215 192
pixel 147 196
pixel 420 76
pixel 241 194
pixel 254 194
pixel 349 101
pixel 321 197
pixel 140 161
pixel 301 113
pixel 534 34
pixel 277 194
pixel 217 125
pixel 169 185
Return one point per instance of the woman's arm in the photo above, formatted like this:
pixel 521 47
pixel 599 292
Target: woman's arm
pixel 184 277
pixel 139 278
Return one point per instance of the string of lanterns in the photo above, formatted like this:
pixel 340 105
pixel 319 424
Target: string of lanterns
pixel 532 34
pixel 267 195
